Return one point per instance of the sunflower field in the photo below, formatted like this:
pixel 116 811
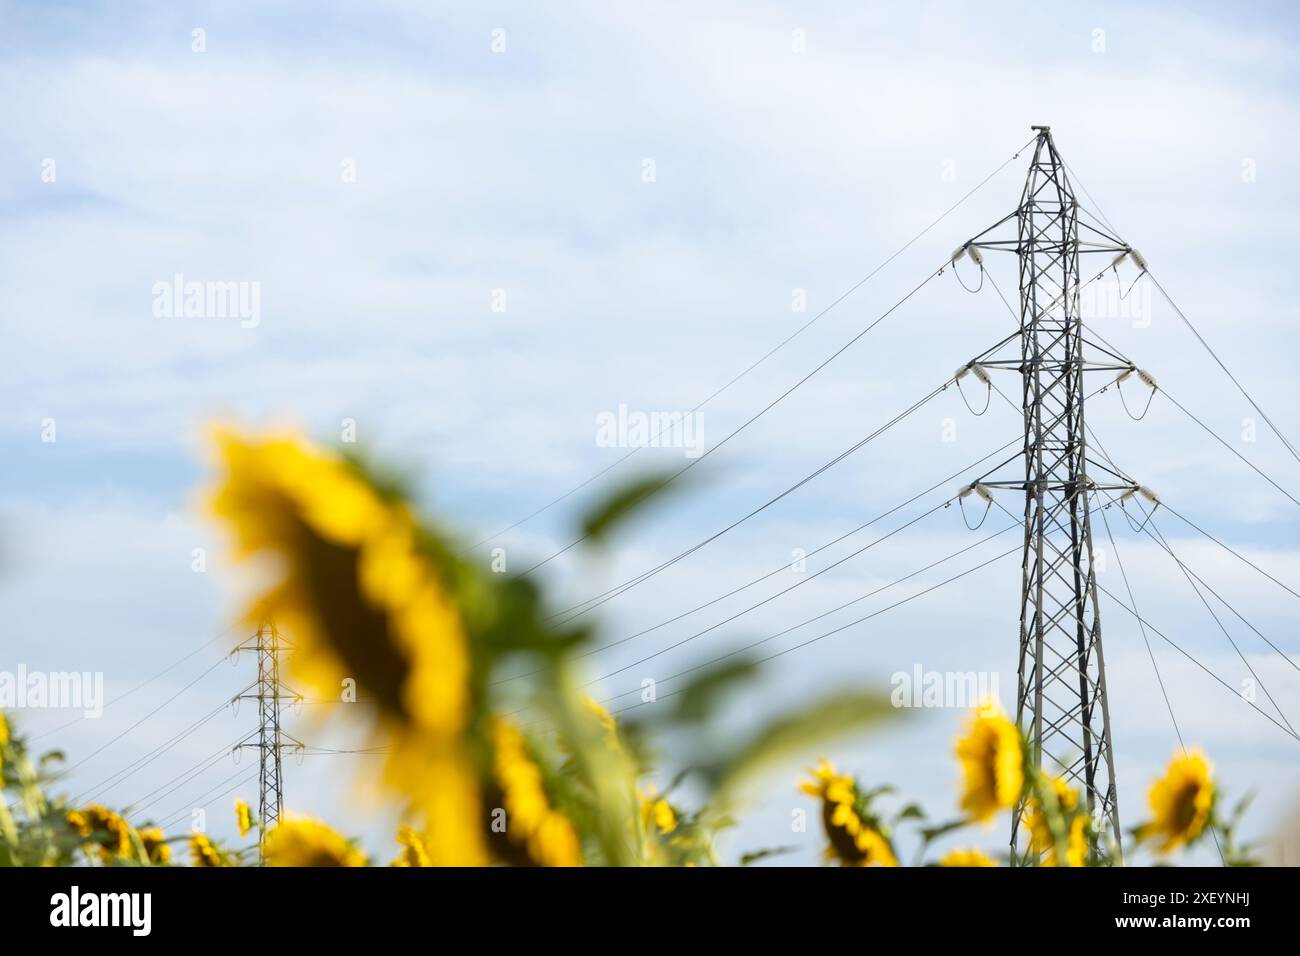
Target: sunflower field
pixel 537 773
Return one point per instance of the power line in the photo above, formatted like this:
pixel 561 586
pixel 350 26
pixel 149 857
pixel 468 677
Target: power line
pixel 773 597
pixel 1231 690
pixel 1177 647
pixel 1164 692
pixel 1208 430
pixel 857 600
pixel 813 640
pixel 162 673
pixel 577 610
pixel 1199 338
pixel 765 409
pixel 1235 554
pixel 151 713
pixel 853 288
pixel 1150 653
pixel 206 797
pixel 784 567
pixel 140 763
pixel 1241 388
pixel 161 792
pixel 1244 661
pixel 1152 531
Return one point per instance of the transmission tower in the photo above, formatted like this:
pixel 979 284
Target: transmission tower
pixel 1061 701
pixel 271 696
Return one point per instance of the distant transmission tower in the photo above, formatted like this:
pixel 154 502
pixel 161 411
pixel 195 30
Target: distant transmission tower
pixel 271 696
pixel 1061 698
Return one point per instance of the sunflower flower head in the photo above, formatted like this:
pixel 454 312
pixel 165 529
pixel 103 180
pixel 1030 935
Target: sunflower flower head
pixel 206 854
pixel 302 841
pixel 155 846
pixel 1182 803
pixel 967 858
pixel 1041 840
pixel 107 829
pixel 657 814
pixel 602 716
pixel 854 838
pixel 533 825
pixel 413 852
pixel 243 818
pixel 992 763
pixel 362 596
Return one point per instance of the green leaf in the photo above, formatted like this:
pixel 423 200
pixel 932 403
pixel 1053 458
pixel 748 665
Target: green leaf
pixel 794 733
pixel 622 504
pixel 756 855
pixel 697 699
pixel 912 811
pixel 931 833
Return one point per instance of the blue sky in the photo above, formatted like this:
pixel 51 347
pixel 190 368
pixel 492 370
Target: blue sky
pixel 521 171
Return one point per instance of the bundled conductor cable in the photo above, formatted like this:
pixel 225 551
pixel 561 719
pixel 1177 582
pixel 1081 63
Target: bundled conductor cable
pixel 1146 379
pixel 1138 260
pixel 981 373
pixel 977 257
pixel 981 490
pixel 1139 491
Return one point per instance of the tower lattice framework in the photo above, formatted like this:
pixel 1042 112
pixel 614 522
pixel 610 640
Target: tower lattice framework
pixel 1061 704
pixel 271 696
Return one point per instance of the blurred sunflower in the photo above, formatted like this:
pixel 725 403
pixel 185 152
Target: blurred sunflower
pixel 1182 803
pixel 855 839
pixel 302 841
pixel 205 853
pixel 602 716
pixel 967 858
pixel 992 762
pixel 4 739
pixel 243 818
pixel 535 832
pixel 413 852
pixel 94 820
pixel 657 813
pixel 362 598
pixel 1041 840
pixel 155 846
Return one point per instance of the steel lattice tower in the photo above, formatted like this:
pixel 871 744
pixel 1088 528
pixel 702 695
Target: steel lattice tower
pixel 1061 701
pixel 271 696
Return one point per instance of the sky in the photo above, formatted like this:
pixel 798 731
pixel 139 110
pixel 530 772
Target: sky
pixel 474 230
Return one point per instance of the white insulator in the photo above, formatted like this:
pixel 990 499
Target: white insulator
pixel 961 373
pixel 983 491
pixel 1148 494
pixel 1146 378
pixel 1137 257
pixel 980 373
pixel 976 255
pixel 1119 258
pixel 958 254
pixel 966 490
pixel 1123 376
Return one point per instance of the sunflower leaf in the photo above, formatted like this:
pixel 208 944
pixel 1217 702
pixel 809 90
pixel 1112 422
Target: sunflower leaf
pixel 697 699
pixel 622 504
pixel 792 734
